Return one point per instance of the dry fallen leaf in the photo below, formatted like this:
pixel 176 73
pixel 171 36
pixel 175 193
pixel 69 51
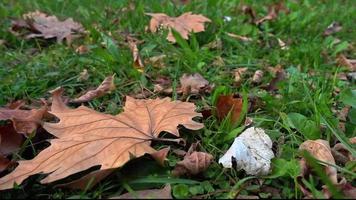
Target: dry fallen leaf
pixel 82 49
pixel 105 87
pixel 24 121
pixel 332 28
pixel 252 151
pixel 257 77
pixel 279 75
pixel 10 141
pixel 194 84
pixel 320 150
pixel 164 193
pixel 238 73
pixel 194 162
pixel 137 62
pixel 156 61
pixel 273 12
pixel 240 37
pixel 184 24
pixel 83 76
pixel 226 104
pixel 41 25
pixel 350 63
pixel 341 154
pixel 86 138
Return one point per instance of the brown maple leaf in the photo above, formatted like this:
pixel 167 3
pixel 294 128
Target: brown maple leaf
pixel 87 138
pixel 41 25
pixel 105 87
pixel 183 24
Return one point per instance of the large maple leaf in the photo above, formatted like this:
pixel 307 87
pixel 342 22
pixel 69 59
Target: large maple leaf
pixel 86 138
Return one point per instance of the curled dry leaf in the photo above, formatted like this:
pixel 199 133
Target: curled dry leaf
pixel 41 25
pixel 341 154
pixel 24 121
pixel 226 104
pixel 105 87
pixel 238 73
pixel 86 138
pixel 161 155
pixel 240 37
pixel 82 49
pixel 320 150
pixel 194 162
pixel 332 28
pixel 137 62
pixel 350 63
pixel 273 12
pixel 194 84
pixel 252 151
pixel 257 77
pixel 83 76
pixel 164 193
pixel 184 24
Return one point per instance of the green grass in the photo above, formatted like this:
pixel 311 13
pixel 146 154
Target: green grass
pixel 31 68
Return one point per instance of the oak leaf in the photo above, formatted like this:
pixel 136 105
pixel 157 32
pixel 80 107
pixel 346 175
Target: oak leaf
pixel 105 87
pixel 41 25
pixel 86 138
pixel 183 24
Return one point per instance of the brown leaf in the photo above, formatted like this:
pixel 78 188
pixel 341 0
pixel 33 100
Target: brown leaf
pixel 350 63
pixel 161 155
pixel 238 73
pixel 41 25
pixel 226 104
pixel 10 141
pixel 137 62
pixel 247 10
pixel 320 150
pixel 105 87
pixel 280 75
pixel 183 24
pixel 342 154
pixel 86 138
pixel 273 12
pixel 332 28
pixel 194 162
pixel 82 49
pixel 156 61
pixel 194 84
pixel 83 76
pixel 257 77
pixel 164 193
pixel 24 121
pixel 240 37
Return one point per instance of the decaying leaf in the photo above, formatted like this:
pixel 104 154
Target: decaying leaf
pixel 82 49
pixel 24 121
pixel 257 77
pixel 194 84
pixel 252 152
pixel 341 154
pixel 279 75
pixel 161 155
pixel 156 61
pixel 86 138
pixel 273 12
pixel 164 193
pixel 226 104
pixel 320 150
pixel 238 73
pixel 350 63
pixel 10 141
pixel 137 62
pixel 184 24
pixel 105 87
pixel 41 25
pixel 194 162
pixel 332 28
pixel 83 76
pixel 240 37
